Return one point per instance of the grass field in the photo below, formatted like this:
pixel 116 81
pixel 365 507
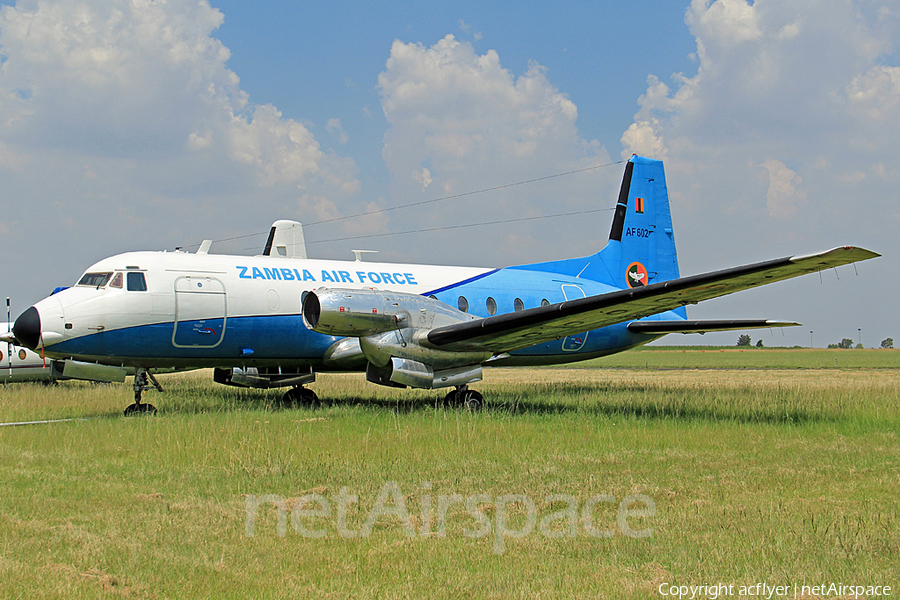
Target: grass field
pixel 767 466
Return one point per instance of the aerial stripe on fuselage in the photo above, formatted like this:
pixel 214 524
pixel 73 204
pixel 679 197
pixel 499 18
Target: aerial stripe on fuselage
pixel 459 283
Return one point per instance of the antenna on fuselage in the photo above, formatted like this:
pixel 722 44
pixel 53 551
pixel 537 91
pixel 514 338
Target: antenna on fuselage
pixel 8 344
pixel 359 253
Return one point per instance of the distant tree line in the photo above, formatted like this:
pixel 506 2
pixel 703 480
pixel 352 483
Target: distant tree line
pixel 848 343
pixel 744 340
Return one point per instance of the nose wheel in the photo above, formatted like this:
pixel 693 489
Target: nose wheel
pixel 143 381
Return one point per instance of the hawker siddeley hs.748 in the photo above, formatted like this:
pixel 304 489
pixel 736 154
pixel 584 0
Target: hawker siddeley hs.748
pixel 278 319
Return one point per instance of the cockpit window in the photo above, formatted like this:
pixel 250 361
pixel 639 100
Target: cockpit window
pixel 97 280
pixel 116 281
pixel 136 282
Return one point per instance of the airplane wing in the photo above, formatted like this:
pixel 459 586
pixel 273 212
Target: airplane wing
pixel 504 333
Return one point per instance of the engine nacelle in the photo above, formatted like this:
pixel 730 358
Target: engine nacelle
pixel 392 328
pixel 351 312
pixel 403 372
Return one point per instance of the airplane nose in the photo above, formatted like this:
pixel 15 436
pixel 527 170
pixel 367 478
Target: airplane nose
pixel 27 328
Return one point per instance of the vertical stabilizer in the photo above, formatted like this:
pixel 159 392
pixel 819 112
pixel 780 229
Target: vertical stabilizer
pixel 641 247
pixel 286 240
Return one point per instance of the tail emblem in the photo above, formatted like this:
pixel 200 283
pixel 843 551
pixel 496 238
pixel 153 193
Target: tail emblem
pixel 636 275
pixel 639 205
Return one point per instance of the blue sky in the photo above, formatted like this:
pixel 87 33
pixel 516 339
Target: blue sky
pixel 130 125
pixel 599 54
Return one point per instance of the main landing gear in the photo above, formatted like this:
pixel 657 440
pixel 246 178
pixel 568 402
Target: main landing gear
pixel 300 396
pixel 463 396
pixel 143 380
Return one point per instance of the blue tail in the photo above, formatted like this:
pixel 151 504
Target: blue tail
pixel 641 247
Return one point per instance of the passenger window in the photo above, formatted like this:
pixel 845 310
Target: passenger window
pixel 22 355
pixel 463 304
pixel 117 281
pixel 545 302
pixel 491 306
pixel 519 305
pixel 136 282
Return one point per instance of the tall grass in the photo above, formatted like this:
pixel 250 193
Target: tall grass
pixel 783 476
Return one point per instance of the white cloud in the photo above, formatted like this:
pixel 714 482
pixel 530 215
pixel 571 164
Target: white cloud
pixel 641 138
pixel 423 177
pixel 875 94
pixel 281 149
pixel 778 78
pixel 477 125
pixel 454 104
pixel 112 76
pixel 137 94
pixel 781 82
pixel 335 128
pixel 783 195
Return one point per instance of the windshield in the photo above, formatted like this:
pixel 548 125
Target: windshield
pixel 96 280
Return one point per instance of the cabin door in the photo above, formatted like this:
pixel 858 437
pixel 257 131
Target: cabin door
pixel 199 312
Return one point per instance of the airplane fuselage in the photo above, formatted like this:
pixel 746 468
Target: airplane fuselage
pixel 175 309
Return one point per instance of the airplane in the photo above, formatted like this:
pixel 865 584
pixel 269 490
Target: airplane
pixel 278 319
pixel 21 364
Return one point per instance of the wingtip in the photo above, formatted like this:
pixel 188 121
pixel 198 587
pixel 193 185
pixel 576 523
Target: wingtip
pixel 772 323
pixel 842 255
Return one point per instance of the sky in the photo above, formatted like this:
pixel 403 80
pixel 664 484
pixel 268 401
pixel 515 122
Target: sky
pixel 153 125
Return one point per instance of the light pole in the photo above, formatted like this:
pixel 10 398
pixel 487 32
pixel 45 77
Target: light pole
pixel 810 339
pixel 859 329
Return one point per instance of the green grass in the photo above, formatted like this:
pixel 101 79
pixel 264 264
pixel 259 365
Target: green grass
pixel 732 357
pixel 775 475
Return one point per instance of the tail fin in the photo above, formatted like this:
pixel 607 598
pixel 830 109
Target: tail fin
pixel 641 247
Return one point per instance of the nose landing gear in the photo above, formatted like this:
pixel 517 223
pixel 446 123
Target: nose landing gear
pixel 143 380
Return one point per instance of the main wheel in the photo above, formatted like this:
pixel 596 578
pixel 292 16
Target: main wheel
pixel 300 396
pixel 472 400
pixel 452 399
pixel 140 409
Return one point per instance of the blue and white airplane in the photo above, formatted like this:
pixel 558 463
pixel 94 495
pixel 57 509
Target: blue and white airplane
pixel 278 319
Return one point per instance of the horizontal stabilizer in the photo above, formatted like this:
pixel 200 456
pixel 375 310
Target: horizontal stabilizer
pixel 663 327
